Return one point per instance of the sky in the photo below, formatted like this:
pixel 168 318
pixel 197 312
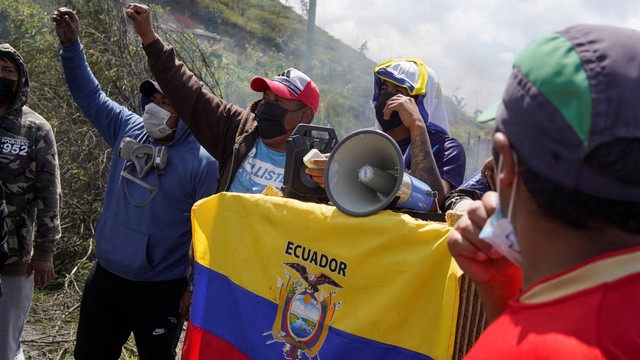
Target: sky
pixel 469 44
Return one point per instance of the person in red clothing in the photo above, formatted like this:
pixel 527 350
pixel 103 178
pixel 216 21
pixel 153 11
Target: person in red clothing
pixel 555 252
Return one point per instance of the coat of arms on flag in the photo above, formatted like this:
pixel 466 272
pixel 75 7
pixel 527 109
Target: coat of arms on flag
pixel 305 312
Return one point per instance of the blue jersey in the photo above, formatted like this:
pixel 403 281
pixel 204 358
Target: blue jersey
pixel 449 155
pixel 261 167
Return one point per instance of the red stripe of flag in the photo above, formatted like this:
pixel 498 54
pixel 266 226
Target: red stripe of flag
pixel 199 344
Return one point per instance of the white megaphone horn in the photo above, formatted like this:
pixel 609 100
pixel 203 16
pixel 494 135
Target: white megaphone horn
pixel 365 173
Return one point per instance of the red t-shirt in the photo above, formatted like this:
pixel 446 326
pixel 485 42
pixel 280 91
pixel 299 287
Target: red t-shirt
pixel 589 312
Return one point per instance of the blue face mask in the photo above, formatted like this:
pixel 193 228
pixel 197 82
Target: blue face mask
pixel 499 232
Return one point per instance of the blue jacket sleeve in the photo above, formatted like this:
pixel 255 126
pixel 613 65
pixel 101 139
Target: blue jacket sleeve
pixel 207 175
pixel 450 158
pixel 107 116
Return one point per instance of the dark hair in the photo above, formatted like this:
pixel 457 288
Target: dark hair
pixel 9 58
pixel 620 160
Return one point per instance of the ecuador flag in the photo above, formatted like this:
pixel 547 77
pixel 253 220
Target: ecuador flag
pixel 277 278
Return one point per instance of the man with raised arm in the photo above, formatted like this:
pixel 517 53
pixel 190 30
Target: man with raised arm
pixel 250 144
pixel 139 283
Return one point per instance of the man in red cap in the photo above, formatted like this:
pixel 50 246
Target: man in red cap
pixel 249 144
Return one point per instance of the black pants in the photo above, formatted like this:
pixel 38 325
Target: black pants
pixel 112 307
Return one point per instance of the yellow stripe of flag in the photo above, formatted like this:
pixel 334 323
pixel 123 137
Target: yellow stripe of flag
pixel 399 282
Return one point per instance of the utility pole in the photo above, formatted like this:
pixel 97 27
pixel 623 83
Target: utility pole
pixel 311 25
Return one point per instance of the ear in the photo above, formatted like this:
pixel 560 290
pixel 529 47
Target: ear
pixel 506 174
pixel 307 115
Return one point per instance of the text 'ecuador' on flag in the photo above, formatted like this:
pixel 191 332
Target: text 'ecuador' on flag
pixel 278 278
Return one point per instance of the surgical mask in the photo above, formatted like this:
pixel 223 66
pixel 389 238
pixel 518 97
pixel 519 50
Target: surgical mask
pixel 499 232
pixel 6 89
pixel 394 120
pixel 270 118
pixel 155 121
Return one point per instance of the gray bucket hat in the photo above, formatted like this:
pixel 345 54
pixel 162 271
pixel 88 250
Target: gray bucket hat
pixel 568 93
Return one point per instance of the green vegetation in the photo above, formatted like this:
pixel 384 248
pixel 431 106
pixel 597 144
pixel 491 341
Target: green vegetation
pixel 238 40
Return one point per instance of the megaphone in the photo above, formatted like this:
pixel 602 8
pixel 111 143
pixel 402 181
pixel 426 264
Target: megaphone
pixel 296 183
pixel 365 174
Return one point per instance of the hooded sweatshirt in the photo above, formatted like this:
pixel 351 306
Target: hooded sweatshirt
pixel 4 253
pixel 139 236
pixel 30 178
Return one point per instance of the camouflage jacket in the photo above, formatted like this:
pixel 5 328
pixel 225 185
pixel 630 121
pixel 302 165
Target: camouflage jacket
pixel 30 178
pixel 4 253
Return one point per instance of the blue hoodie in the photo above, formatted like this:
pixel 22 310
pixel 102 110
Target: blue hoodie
pixel 149 242
pixel 421 81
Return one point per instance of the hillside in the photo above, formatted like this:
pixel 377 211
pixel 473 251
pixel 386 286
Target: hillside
pixel 226 43
pixel 264 37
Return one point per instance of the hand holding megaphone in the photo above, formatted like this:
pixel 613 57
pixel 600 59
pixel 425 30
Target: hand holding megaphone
pixel 316 162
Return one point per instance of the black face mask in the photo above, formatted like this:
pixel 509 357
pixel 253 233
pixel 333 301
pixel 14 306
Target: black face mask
pixel 271 120
pixel 394 120
pixel 6 90
pixel 403 144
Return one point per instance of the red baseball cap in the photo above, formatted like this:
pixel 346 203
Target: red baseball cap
pixel 292 84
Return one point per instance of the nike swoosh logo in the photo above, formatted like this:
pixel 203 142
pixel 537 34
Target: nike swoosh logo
pixel 159 331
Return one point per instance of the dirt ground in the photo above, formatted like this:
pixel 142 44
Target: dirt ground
pixel 51 324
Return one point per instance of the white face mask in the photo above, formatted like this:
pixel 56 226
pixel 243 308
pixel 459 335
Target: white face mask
pixel 155 121
pixel 498 231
